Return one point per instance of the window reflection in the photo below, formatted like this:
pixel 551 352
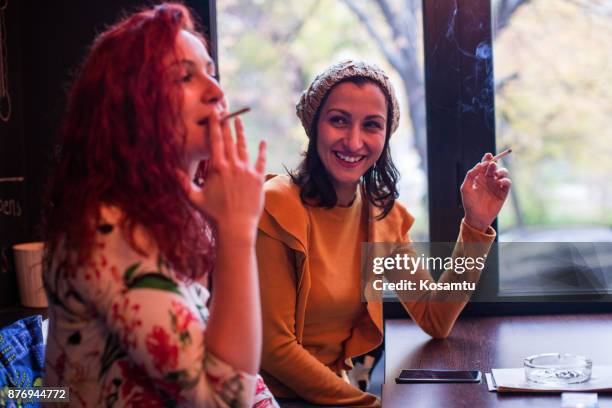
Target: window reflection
pixel 553 107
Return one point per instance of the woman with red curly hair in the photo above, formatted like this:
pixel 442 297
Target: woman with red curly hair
pixel 132 240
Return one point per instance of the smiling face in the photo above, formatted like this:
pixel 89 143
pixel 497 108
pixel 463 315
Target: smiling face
pixel 194 71
pixel 351 132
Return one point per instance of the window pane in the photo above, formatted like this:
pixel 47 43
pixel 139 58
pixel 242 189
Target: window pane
pixel 270 50
pixel 553 69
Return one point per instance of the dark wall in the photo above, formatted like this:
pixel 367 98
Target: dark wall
pixel 45 42
pixel 13 214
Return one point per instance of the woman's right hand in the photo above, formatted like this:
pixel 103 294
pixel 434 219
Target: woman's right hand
pixel 232 195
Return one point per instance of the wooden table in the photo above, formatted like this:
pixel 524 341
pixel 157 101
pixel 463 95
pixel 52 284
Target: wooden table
pixel 484 343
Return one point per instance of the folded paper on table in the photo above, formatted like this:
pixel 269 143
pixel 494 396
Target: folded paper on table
pixel 491 386
pixel 513 380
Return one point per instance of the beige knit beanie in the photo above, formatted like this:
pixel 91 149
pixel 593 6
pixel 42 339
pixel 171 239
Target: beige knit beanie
pixel 311 98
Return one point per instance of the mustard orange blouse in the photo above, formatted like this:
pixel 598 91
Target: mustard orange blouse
pixel 313 318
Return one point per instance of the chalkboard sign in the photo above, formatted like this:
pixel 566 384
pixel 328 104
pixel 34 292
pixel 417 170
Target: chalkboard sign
pixel 13 204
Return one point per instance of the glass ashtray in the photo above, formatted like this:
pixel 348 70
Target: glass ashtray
pixel 557 369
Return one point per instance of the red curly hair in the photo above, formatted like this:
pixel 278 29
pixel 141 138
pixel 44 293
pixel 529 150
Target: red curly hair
pixel 119 145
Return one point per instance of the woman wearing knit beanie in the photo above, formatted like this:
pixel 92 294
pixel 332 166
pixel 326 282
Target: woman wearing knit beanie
pixel 309 240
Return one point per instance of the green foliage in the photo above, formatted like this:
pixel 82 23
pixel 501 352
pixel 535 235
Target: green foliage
pixel 555 112
pixel 270 50
pixel 553 109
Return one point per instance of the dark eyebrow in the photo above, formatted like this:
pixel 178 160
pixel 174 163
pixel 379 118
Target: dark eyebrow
pixel 339 110
pixel 376 116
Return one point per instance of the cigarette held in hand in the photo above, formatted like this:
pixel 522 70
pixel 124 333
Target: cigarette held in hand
pixel 501 155
pixel 233 114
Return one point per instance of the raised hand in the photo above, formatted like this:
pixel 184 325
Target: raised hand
pixel 232 195
pixel 484 192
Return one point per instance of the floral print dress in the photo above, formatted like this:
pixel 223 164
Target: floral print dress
pixel 125 331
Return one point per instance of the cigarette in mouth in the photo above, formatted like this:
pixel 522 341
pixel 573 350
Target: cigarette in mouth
pixel 233 114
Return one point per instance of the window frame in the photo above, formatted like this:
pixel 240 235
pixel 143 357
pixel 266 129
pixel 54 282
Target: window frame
pixel 460 103
pixel 460 106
